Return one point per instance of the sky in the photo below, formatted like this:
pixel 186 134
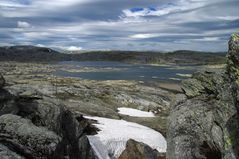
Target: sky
pixel 157 25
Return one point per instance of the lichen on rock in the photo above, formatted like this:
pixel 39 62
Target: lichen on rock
pixel 36 141
pixel 206 125
pixel 233 58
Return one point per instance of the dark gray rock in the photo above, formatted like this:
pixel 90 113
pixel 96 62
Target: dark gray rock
pixel 193 131
pixel 41 127
pixel 2 81
pixel 192 87
pixel 206 125
pixel 48 116
pixel 42 112
pixel 85 149
pixel 74 141
pixel 179 98
pixel 233 66
pixel 26 138
pixel 231 135
pixel 49 113
pixel 203 82
pixel 5 153
pixel 233 52
pixel 7 103
pixel 138 150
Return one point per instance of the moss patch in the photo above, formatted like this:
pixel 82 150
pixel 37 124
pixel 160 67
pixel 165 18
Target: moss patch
pixel 235 37
pixel 227 140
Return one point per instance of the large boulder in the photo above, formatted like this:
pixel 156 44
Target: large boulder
pixel 6 153
pixel 233 66
pixel 139 150
pixel 74 141
pixel 194 132
pixel 7 103
pixel 48 114
pixel 25 138
pixel 233 52
pixel 41 127
pixel 206 125
pixel 192 87
pixel 203 82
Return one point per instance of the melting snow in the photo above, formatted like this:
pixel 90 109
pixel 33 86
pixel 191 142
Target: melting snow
pixel 110 142
pixel 135 112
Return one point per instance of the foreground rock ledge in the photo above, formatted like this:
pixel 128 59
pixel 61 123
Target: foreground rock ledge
pixel 205 125
pixel 139 150
pixel 41 127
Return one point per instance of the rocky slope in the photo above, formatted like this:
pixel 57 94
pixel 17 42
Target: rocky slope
pixel 89 97
pixel 40 127
pixel 204 122
pixel 50 108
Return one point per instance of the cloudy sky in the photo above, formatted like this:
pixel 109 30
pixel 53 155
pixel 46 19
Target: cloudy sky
pixel 162 25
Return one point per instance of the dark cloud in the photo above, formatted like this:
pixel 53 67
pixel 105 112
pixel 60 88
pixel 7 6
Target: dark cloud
pixel 121 24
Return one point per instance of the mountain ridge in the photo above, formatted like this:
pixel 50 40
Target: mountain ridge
pixel 42 54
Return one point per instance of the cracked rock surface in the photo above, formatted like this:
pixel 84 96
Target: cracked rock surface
pixel 206 125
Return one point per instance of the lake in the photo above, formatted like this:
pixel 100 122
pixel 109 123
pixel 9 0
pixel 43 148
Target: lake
pixel 102 70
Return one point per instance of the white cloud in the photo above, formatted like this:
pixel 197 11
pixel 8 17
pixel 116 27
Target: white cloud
pixel 22 24
pixel 208 39
pixel 143 36
pixel 40 45
pixel 228 17
pixel 181 5
pixel 74 48
pixel 7 3
pixel 57 3
pixel 35 34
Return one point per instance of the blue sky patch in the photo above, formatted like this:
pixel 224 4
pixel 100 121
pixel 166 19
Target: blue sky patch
pixel 152 9
pixel 136 9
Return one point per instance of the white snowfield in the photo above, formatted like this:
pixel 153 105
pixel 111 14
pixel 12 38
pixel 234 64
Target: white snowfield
pixel 110 142
pixel 135 112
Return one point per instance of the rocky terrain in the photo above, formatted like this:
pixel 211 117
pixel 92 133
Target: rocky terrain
pixel 42 114
pixel 99 98
pixel 203 122
pixel 40 127
pixel 47 116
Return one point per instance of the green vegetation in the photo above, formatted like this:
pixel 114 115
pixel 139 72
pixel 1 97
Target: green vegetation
pixel 235 37
pixel 228 140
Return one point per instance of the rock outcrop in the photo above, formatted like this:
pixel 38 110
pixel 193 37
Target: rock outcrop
pixel 6 153
pixel 138 150
pixel 205 125
pixel 41 127
pixel 27 139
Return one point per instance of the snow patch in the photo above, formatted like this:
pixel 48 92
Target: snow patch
pixel 110 142
pixel 135 112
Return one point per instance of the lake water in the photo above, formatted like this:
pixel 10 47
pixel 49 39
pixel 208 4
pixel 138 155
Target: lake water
pixel 122 71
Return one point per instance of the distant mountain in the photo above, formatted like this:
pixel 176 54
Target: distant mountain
pixel 176 57
pixel 41 54
pixel 30 53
